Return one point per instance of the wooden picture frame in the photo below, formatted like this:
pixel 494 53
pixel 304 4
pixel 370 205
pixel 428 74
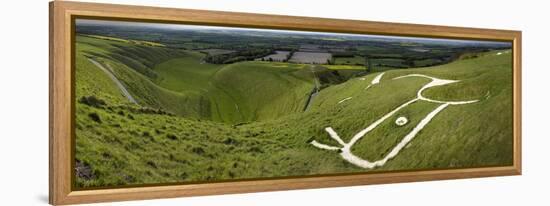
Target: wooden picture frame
pixel 62 85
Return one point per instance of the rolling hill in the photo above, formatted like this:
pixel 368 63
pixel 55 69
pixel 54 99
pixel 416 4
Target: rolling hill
pixel 196 121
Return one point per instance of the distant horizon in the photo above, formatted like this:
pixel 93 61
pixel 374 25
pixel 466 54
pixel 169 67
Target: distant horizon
pixel 187 27
pixel 159 103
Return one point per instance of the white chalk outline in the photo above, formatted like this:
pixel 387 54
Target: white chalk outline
pixel 345 149
pixel 345 99
pixel 376 80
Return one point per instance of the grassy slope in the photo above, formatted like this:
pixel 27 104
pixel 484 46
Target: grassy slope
pixel 264 90
pixel 128 142
pixel 240 92
pixel 186 86
pixel 138 57
pixel 465 135
pixel 139 85
pixel 132 146
pixel 185 73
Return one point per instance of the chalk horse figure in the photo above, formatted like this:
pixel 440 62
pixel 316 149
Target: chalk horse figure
pixel 345 148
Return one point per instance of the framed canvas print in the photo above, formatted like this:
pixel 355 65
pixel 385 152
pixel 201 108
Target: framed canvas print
pixel 157 102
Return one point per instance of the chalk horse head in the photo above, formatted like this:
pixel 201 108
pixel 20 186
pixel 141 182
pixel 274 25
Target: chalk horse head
pixel 345 147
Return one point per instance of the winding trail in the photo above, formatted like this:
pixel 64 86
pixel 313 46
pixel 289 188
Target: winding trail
pixel 314 91
pixel 345 149
pixel 119 84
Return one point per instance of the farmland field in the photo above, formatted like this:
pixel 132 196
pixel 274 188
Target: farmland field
pixel 217 51
pixel 355 60
pixel 311 57
pixel 203 107
pixel 279 56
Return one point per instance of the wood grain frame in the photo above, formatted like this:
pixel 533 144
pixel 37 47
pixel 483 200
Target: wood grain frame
pixel 62 85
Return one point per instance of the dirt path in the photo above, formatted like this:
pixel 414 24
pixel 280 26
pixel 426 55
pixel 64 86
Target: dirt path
pixel 345 149
pixel 117 82
pixel 314 91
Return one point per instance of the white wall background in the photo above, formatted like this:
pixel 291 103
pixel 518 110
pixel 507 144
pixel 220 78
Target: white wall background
pixel 24 101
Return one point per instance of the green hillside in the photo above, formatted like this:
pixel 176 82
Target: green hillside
pixel 459 136
pixel 187 86
pixel 196 121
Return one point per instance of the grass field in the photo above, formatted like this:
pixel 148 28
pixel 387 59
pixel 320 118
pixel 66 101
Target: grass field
pixel 196 121
pixel 356 60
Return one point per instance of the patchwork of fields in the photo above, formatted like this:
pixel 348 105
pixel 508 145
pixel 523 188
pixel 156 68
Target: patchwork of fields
pixel 311 57
pixel 197 121
pixel 279 56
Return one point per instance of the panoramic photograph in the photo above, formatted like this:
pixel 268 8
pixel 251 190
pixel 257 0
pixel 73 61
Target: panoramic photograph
pixel 165 103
